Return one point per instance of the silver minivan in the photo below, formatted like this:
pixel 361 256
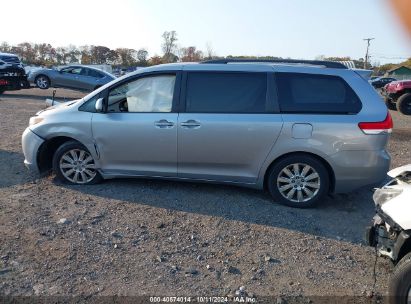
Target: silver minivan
pixel 300 129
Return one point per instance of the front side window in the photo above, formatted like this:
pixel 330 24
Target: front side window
pixel 312 93
pixel 213 92
pixel 75 71
pixel 90 105
pixel 147 94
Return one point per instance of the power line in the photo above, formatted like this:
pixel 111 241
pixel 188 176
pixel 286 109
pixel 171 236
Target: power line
pixel 385 56
pixel 366 54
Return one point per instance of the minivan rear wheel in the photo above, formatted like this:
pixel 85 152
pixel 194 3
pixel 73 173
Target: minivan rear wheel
pixel 298 181
pixel 74 164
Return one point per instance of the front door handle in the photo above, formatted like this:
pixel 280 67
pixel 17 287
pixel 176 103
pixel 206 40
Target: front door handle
pixel 191 124
pixel 164 124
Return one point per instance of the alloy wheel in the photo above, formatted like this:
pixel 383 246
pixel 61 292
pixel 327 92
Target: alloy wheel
pixel 78 166
pixel 42 82
pixel 298 182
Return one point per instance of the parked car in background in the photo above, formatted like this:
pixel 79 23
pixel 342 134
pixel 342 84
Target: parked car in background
pixel 300 129
pixel 390 232
pixel 11 59
pixel 76 77
pixel 12 77
pixel 398 96
pixel 381 82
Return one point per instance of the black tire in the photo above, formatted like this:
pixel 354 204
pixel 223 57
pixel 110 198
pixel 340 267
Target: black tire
pixel 2 91
pixel 390 104
pixel 404 104
pixel 42 82
pixel 80 170
pixel 276 175
pixel 400 281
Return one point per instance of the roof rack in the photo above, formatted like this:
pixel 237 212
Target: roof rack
pixel 327 64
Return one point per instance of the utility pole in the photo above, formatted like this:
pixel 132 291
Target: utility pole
pixel 366 54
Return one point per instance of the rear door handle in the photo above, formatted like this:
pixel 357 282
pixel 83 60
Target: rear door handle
pixel 191 124
pixel 164 124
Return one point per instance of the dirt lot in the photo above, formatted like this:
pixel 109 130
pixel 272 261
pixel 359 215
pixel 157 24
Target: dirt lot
pixel 141 237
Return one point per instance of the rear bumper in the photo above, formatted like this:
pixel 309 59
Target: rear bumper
pixel 15 83
pixel 357 169
pixel 31 144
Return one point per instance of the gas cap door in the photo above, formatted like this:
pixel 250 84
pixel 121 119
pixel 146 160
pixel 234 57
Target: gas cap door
pixel 302 130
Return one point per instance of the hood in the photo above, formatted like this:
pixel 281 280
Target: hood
pixel 58 106
pixel 398 207
pixel 400 171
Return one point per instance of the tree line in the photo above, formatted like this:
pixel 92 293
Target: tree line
pixel 44 54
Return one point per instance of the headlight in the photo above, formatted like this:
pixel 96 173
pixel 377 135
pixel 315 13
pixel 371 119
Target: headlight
pixel 35 120
pixel 381 196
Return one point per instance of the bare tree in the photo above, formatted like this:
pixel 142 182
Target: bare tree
pixel 155 60
pixel 126 57
pixel 5 47
pixel 169 45
pixel 209 51
pixel 85 54
pixel 142 55
pixel 191 54
pixel 73 54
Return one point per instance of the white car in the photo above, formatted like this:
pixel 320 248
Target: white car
pixel 391 231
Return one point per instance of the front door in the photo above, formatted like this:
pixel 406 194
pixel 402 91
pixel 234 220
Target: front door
pixel 138 133
pixel 69 78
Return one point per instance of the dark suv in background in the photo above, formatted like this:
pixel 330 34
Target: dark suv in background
pixel 11 59
pixel 381 82
pixel 12 73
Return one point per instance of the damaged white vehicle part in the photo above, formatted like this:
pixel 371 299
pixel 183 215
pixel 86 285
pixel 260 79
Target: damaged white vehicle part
pixel 392 223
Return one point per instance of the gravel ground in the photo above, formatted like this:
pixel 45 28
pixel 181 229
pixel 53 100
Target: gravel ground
pixel 161 238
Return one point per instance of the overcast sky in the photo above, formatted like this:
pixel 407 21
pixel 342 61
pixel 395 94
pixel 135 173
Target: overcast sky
pixel 286 28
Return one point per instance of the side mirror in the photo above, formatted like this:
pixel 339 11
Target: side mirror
pixel 99 105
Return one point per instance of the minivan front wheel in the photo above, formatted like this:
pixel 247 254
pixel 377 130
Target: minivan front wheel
pixel 74 164
pixel 298 181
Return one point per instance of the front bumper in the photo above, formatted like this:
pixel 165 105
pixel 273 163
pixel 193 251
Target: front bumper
pixel 387 239
pixel 31 144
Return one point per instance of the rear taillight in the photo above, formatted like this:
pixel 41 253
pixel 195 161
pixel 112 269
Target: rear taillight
pixel 3 82
pixel 377 127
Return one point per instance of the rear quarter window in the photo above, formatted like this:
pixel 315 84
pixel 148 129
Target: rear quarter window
pixel 312 93
pixel 95 74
